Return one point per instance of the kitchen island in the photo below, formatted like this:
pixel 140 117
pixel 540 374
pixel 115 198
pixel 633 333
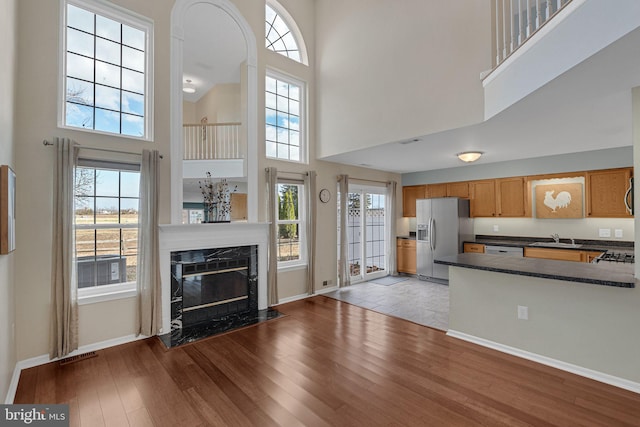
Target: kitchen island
pixel 582 318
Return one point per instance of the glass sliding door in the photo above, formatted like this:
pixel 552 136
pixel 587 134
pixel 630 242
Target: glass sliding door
pixel 366 233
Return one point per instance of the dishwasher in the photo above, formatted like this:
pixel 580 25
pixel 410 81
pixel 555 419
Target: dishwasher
pixel 503 250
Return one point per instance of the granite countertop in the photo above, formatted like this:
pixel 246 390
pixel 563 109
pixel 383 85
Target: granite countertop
pixel 606 274
pixel 406 237
pixel 584 245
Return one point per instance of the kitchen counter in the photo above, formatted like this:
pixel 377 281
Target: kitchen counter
pixel 406 237
pixel 605 274
pixel 584 245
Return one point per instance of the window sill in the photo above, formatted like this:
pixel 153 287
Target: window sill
pixel 294 267
pixel 94 296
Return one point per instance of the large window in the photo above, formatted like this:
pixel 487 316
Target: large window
pixel 283 115
pixel 106 70
pixel 106 226
pixel 291 225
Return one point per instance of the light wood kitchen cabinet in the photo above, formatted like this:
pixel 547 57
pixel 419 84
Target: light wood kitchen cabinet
pixel 406 255
pixel 458 189
pixel 561 254
pixel 476 248
pixel 510 197
pixel 436 190
pixel 483 198
pixel 410 194
pixel 504 197
pixel 606 190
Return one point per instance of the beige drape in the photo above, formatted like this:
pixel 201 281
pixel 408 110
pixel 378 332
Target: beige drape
pixel 272 203
pixel 64 303
pixel 149 295
pixel 311 205
pixel 344 274
pixel 390 227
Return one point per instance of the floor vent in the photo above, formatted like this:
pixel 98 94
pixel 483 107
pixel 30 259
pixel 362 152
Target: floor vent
pixel 78 358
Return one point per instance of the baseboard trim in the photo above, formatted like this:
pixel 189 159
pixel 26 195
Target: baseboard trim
pixel 41 360
pixel 548 361
pixel 326 290
pixel 292 299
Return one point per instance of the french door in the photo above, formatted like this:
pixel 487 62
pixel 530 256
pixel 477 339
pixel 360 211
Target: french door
pixel 366 233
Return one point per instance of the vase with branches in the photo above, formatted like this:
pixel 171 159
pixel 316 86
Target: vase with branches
pixel 217 199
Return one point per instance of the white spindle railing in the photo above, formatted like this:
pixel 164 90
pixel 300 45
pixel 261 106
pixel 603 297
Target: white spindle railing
pixel 517 20
pixel 212 141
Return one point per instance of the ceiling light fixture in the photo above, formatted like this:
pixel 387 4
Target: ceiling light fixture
pixel 188 87
pixel 469 156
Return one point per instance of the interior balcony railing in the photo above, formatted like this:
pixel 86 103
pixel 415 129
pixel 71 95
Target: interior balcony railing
pixel 212 141
pixel 517 20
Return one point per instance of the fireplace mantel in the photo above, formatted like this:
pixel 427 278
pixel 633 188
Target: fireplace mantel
pixel 204 236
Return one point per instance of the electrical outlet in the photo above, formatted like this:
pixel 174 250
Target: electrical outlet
pixel 604 232
pixel 523 312
pixel 496 228
pixel 618 233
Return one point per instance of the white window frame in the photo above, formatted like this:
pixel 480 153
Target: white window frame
pixel 302 227
pixel 124 16
pixel 96 294
pixel 293 29
pixel 304 143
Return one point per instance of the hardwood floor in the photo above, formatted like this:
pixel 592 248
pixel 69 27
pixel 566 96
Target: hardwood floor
pixel 327 363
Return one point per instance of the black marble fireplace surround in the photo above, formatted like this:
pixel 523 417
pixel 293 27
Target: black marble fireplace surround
pixel 213 291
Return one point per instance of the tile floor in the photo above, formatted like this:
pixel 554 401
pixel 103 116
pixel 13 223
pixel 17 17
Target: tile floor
pixel 418 301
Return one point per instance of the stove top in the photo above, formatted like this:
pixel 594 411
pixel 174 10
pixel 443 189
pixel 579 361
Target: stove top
pixel 615 257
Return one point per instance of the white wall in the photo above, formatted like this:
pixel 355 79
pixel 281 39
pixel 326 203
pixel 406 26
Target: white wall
pixel 389 71
pixel 7 143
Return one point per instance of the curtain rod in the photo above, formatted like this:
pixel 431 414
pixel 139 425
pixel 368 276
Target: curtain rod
pixel 290 173
pixel 366 180
pixel 47 143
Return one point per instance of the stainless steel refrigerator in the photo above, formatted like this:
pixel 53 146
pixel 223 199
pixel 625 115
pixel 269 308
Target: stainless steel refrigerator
pixel 443 224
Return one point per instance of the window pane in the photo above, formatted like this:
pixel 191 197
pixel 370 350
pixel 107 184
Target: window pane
pixel 294 153
pixel 108 242
pixel 79 91
pixel 271 84
pixel 133 81
pixel 271 133
pixel 107 97
pixel 84 210
pixel 294 138
pixel 282 88
pixel 130 252
pixel 132 103
pixel 294 107
pixel 133 37
pixel 107 121
pixel 79 42
pixel 106 210
pixel 129 184
pixel 270 100
pixel 283 151
pixel 85 243
pixel 107 183
pixel 272 150
pixel 128 211
pixel 107 74
pixel 132 125
pixel 288 242
pixel 79 18
pixel 132 58
pixel 108 51
pixel 108 28
pixel 79 67
pixel 294 122
pixel 271 117
pixel 79 116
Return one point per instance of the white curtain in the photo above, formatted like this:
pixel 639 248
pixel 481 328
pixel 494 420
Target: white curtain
pixel 272 203
pixel 311 205
pixel 149 295
pixel 390 227
pixel 344 274
pixel 64 301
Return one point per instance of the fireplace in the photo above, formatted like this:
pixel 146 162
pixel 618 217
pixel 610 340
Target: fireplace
pixel 208 285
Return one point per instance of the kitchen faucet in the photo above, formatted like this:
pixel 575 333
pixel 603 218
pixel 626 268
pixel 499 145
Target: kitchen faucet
pixel 556 237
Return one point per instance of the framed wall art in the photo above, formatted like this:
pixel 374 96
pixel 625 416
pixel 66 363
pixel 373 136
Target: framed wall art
pixel 7 210
pixel 560 200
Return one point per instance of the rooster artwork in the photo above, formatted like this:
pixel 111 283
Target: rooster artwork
pixel 559 200
pixel 562 200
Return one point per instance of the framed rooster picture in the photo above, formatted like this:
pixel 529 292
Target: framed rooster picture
pixel 559 201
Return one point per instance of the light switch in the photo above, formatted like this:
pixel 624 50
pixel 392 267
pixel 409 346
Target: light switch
pixel 618 233
pixel 496 228
pixel 604 232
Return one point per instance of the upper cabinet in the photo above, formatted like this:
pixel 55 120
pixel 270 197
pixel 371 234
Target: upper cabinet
pixel 483 198
pixel 436 190
pixel 410 194
pixel 607 193
pixel 458 189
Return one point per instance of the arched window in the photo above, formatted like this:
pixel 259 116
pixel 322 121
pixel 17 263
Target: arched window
pixel 282 35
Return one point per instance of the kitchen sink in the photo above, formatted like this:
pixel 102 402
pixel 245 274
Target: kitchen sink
pixel 555 245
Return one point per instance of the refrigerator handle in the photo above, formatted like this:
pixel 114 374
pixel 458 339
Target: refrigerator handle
pixel 432 223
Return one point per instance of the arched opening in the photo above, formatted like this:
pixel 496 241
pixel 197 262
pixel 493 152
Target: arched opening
pixel 213 48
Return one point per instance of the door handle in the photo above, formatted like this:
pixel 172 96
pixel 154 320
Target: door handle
pixel 433 234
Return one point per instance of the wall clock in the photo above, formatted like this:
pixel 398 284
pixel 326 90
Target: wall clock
pixel 324 195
